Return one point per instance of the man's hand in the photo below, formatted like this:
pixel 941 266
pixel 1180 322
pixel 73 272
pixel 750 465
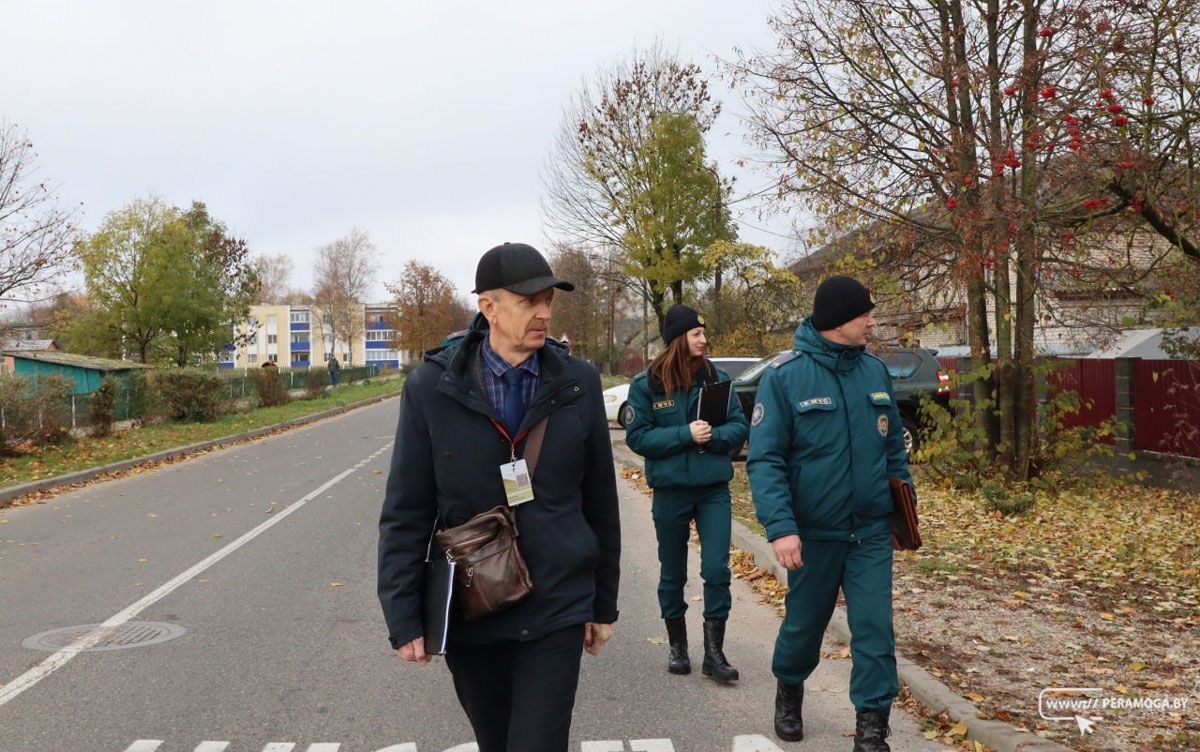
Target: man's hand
pixel 414 652
pixel 595 635
pixel 701 431
pixel 787 551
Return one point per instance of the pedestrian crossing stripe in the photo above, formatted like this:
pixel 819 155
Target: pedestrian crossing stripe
pixel 746 743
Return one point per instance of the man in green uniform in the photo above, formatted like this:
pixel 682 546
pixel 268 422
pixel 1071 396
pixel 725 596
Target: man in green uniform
pixel 825 437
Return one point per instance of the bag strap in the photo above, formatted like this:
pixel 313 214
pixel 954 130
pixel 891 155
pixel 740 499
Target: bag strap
pixel 533 445
pixel 429 545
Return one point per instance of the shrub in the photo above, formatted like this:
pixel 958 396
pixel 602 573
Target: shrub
pixel 103 408
pixel 139 395
pixel 52 406
pixel 272 390
pixel 955 448
pixel 315 382
pixel 998 498
pixel 192 394
pixel 17 413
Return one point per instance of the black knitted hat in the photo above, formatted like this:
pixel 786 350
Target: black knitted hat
pixel 680 320
pixel 838 300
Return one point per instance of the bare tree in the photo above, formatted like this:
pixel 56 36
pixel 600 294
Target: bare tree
pixel 274 277
pixel 970 143
pixel 36 235
pixel 343 274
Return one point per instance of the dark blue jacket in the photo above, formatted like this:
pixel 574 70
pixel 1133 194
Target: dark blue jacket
pixel 659 432
pixel 445 465
pixel 825 437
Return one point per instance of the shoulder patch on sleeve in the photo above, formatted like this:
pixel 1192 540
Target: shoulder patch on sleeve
pixel 757 416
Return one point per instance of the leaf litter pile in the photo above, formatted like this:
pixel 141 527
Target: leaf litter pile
pixel 1092 588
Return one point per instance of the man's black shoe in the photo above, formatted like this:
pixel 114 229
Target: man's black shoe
pixel 789 701
pixel 871 729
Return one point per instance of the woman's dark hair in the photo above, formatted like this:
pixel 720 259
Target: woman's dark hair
pixel 675 365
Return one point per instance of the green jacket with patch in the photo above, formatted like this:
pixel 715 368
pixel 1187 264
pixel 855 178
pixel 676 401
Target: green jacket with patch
pixel 825 438
pixel 659 432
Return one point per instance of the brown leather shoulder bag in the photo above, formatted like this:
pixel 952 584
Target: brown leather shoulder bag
pixel 490 574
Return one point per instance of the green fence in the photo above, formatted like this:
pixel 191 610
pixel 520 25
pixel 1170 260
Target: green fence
pixel 239 383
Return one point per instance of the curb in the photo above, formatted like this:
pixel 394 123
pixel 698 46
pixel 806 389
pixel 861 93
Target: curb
pixel 924 687
pixel 80 476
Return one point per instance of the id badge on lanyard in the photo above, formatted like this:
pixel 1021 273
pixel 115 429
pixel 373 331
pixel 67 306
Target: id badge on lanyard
pixel 518 485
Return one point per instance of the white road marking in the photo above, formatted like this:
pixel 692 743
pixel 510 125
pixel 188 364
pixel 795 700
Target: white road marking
pixel 750 743
pixel 59 659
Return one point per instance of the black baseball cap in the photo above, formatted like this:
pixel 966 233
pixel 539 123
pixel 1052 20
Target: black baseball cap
pixel 516 267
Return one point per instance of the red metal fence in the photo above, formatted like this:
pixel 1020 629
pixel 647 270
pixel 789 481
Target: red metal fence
pixel 1166 414
pixel 1095 381
pixel 1166 403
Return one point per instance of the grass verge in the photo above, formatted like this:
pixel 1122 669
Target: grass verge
pixel 83 454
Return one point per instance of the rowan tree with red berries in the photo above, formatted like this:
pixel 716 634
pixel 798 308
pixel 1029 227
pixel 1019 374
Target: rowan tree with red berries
pixel 984 151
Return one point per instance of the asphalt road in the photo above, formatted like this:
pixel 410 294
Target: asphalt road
pixel 264 555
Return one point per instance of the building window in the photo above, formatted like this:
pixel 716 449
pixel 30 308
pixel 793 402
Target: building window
pixel 273 358
pixel 272 323
pixel 381 335
pixel 252 341
pixel 299 317
pixel 251 322
pixel 299 356
pixel 272 339
pixel 299 337
pixel 253 359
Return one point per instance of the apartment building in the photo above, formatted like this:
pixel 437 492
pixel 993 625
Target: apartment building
pixel 300 336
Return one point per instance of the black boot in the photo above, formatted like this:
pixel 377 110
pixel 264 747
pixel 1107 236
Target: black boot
pixel 870 730
pixel 715 664
pixel 789 700
pixel 678 662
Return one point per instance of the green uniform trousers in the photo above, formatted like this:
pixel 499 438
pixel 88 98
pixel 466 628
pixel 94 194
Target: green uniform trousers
pixel 863 570
pixel 712 509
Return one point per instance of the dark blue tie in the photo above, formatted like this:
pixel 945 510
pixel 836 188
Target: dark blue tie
pixel 514 399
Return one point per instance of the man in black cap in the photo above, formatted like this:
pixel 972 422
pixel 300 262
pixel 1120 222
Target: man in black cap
pixel 825 437
pixel 465 416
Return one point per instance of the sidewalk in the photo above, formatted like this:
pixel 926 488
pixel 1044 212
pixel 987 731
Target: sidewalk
pixel 923 686
pixel 750 639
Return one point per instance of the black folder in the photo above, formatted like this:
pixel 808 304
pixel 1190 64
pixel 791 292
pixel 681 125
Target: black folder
pixel 437 590
pixel 713 406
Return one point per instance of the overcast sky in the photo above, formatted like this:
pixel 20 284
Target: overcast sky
pixel 425 123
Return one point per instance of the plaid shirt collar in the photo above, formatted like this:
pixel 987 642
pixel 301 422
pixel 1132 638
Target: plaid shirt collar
pixel 494 368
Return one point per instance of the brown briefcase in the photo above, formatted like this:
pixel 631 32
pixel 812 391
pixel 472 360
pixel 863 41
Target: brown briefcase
pixel 905 536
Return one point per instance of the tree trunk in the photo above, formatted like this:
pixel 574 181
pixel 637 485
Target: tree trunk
pixel 1025 405
pixel 998 254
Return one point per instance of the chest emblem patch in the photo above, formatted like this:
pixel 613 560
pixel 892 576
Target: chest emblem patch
pixel 756 417
pixel 816 401
pixel 664 404
pixel 882 424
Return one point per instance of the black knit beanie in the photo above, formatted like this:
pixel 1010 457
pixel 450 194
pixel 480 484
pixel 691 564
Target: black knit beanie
pixel 838 300
pixel 680 320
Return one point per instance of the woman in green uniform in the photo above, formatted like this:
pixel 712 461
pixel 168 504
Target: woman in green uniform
pixel 688 466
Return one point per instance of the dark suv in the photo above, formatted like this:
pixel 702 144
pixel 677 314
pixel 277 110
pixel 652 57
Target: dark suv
pixel 913 369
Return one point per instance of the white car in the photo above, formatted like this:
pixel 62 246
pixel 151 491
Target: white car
pixel 616 399
pixel 616 406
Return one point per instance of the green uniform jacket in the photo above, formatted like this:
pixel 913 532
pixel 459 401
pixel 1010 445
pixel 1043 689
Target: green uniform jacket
pixel 825 437
pixel 659 432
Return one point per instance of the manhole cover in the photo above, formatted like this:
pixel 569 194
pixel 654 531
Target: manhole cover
pixel 132 634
